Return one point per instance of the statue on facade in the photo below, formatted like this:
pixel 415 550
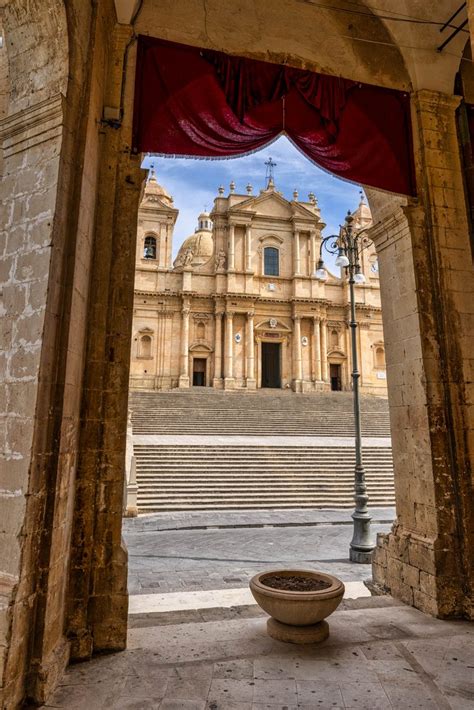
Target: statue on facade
pixel 220 260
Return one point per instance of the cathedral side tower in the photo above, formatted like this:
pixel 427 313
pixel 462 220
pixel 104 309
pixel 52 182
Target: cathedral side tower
pixel 156 220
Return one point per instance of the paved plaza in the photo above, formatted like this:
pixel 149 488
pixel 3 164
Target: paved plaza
pixel 176 552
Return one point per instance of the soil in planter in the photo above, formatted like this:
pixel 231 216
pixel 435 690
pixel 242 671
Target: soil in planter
pixel 295 584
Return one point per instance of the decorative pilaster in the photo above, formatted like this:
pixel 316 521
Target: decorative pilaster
pixel 324 350
pixel 218 349
pixel 231 249
pixel 229 351
pixel 297 357
pixel 313 253
pixel 183 381
pixel 296 253
pixel 248 248
pixel 317 350
pixel 251 381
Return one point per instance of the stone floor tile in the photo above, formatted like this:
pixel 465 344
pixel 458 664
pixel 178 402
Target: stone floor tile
pixel 380 651
pixel 192 670
pixel 275 691
pixel 365 696
pixel 241 669
pixel 229 706
pixel 324 670
pixel 274 667
pixel 229 690
pixel 84 697
pixel 127 702
pixel 409 696
pixel 187 688
pixel 171 704
pixel 277 706
pixel 319 694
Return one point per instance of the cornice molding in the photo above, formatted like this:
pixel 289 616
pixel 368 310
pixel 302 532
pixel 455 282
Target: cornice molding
pixel 33 125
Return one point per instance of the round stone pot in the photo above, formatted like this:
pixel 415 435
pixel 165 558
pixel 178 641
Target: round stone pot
pixel 297 617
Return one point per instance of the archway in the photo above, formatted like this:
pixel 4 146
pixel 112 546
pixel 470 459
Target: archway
pixel 70 122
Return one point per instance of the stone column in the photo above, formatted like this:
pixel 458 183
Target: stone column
pixel 324 349
pixel 296 253
pixel 427 287
pixel 317 349
pixel 218 350
pixel 251 381
pixel 248 247
pixel 231 249
pixel 229 351
pixel 297 358
pixel 184 363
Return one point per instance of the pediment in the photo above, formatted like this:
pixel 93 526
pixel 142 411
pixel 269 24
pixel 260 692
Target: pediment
pixel 272 324
pixel 336 352
pixel 201 347
pixel 272 204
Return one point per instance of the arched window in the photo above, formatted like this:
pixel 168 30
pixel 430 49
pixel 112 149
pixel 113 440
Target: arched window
pixel 271 261
pixel 334 339
pixel 200 331
pixel 380 358
pixel 145 346
pixel 149 251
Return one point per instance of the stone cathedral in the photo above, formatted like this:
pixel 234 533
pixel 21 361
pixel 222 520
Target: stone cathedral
pixel 240 307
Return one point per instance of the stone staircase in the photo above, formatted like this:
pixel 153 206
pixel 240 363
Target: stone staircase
pixel 264 413
pixel 178 474
pixel 248 477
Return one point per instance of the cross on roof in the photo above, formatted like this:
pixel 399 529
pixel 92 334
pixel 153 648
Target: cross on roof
pixel 269 177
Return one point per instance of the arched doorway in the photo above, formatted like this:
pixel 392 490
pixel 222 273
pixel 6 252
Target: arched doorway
pixel 74 271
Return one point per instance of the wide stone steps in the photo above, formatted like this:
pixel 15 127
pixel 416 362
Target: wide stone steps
pixel 193 477
pixel 263 413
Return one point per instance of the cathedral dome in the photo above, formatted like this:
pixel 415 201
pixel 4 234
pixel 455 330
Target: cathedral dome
pixel 199 247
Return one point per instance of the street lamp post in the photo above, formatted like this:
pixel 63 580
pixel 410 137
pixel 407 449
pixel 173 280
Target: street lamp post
pixel 348 246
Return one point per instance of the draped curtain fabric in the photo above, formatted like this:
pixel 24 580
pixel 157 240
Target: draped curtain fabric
pixel 202 103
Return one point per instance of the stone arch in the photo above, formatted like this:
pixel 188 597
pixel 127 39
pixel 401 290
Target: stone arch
pixel 69 233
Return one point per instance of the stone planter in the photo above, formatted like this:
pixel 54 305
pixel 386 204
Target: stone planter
pixel 297 616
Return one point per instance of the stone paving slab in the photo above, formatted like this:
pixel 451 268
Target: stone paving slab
pixel 177 601
pixel 376 658
pixel 257 440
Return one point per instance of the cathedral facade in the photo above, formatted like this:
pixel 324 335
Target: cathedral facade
pixel 240 306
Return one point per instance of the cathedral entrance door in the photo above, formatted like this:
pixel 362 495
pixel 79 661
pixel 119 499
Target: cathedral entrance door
pixel 199 372
pixel 335 375
pixel 271 365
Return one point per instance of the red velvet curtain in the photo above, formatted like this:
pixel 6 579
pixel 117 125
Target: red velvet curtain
pixel 201 103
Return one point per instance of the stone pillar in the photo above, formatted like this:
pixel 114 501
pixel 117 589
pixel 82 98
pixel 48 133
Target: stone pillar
pixel 296 253
pixel 251 381
pixel 427 287
pixel 184 364
pixel 218 350
pixel 248 248
pixel 317 349
pixel 324 349
pixel 229 351
pixel 231 249
pixel 297 357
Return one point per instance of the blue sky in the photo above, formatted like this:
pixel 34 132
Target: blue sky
pixel 193 184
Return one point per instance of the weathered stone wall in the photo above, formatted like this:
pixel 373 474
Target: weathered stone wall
pixel 427 284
